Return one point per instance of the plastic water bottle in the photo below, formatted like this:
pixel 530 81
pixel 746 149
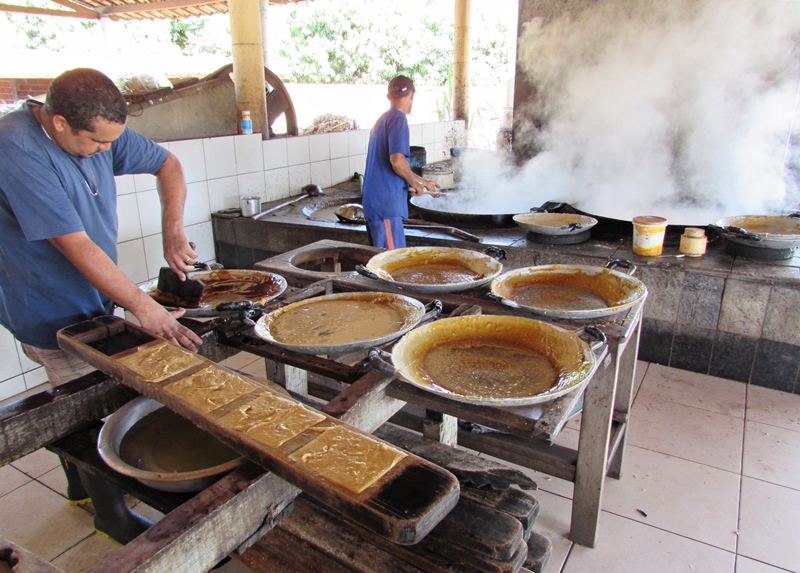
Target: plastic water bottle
pixel 247 123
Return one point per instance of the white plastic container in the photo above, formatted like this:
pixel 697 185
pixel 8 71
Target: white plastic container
pixel 648 235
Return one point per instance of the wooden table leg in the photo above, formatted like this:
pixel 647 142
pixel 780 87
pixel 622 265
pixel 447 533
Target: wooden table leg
pixel 627 355
pixel 590 468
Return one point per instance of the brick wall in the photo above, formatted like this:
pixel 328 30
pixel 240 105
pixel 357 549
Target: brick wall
pixel 13 89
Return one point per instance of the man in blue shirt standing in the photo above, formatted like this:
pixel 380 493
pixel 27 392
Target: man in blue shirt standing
pixel 388 174
pixel 58 251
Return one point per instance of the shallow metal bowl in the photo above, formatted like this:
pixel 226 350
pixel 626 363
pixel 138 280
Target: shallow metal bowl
pixel 114 430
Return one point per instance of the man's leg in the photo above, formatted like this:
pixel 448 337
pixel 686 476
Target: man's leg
pixel 386 233
pixel 112 516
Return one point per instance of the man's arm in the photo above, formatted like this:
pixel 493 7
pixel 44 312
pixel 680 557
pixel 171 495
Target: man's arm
pixel 101 272
pixel 172 192
pixel 417 183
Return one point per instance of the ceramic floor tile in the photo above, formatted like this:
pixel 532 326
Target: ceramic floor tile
pixel 693 434
pixel 233 566
pixel 693 389
pixel 745 565
pixel 39 462
pixel 87 554
pixel 42 521
pixel 11 478
pixel 626 546
pixel 768 524
pixel 56 480
pixel 772 454
pixel 773 407
pixel 256 368
pixel 240 360
pixel 679 496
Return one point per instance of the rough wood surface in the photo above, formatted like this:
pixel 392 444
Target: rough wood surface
pixel 539 550
pixel 15 559
pixel 519 504
pixel 33 422
pixel 403 505
pixel 202 531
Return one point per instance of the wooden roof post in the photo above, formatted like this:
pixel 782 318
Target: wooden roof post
pixel 461 61
pixel 248 62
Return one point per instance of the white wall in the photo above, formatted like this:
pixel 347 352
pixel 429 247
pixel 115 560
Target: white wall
pixel 218 172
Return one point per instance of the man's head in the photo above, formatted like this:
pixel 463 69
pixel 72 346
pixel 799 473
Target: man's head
pixel 88 111
pixel 401 93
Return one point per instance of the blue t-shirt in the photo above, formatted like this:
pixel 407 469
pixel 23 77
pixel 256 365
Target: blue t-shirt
pixel 45 193
pixel 385 193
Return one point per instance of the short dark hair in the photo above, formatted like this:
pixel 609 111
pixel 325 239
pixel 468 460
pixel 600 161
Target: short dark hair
pixel 400 86
pixel 82 95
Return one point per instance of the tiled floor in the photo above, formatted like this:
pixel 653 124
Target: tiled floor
pixel 711 484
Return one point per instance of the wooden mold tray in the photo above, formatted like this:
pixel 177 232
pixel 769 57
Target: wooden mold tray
pixel 393 493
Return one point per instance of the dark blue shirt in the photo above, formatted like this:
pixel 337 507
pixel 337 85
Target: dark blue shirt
pixel 385 193
pixel 45 193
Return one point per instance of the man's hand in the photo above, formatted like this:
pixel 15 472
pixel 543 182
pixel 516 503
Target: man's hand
pixel 165 324
pixel 179 252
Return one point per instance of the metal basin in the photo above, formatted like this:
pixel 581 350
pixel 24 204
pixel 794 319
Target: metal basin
pixel 341 323
pixel 194 448
pixel 432 269
pixel 496 360
pixel 573 292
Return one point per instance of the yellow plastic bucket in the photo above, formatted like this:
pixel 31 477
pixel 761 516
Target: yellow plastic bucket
pixel 648 235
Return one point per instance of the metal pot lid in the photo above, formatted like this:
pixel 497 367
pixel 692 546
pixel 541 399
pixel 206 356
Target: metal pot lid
pixel 554 223
pixel 340 323
pixel 494 360
pixel 573 292
pixel 224 286
pixel 434 269
pixel 761 231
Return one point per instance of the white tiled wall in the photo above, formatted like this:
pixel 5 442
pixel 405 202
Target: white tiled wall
pixel 218 172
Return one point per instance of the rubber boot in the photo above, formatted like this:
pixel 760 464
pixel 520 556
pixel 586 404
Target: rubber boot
pixel 112 517
pixel 76 493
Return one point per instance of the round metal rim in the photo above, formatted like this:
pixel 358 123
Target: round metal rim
pixel 585 221
pixel 115 428
pixel 150 285
pixel 572 314
pixel 376 263
pixel 263 332
pixel 551 394
pixel 768 240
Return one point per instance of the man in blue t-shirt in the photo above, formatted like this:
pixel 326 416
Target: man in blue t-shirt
pixel 388 174
pixel 58 215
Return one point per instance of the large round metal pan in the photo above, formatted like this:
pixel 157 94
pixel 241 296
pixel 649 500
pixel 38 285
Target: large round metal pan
pixel 224 286
pixel 574 292
pixel 761 231
pixel 438 212
pixel 555 224
pixel 120 423
pixel 433 269
pixel 493 360
pixel 340 323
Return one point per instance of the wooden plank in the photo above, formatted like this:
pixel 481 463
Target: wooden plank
pixel 553 460
pixel 202 531
pixel 282 552
pixel 539 550
pixel 365 403
pixel 16 559
pixel 479 529
pixel 521 505
pixel 466 466
pixel 33 422
pixel 322 532
pixel 403 505
pixel 496 418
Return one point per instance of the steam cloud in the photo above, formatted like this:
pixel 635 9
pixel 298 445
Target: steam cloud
pixel 682 109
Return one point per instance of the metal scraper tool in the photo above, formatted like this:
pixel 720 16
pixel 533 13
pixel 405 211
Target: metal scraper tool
pixel 170 282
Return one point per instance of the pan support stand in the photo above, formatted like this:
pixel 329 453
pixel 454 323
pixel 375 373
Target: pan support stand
pixel 440 427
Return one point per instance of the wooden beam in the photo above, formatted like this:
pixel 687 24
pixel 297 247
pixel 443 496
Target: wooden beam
pixel 153 6
pixel 79 12
pixel 29 424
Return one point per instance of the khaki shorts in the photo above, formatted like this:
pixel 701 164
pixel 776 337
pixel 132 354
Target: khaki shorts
pixel 59 366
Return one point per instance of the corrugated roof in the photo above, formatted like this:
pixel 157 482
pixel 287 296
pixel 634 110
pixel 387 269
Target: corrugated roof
pixel 129 9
